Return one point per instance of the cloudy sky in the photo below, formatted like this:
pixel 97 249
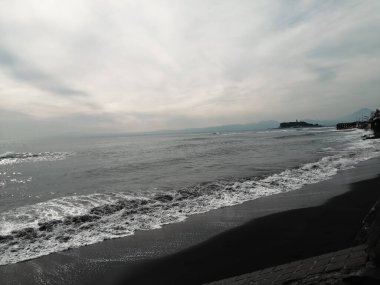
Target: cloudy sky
pixel 121 66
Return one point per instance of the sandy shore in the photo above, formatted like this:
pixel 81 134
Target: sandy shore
pixel 221 243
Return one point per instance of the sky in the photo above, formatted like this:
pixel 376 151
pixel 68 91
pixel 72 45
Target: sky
pixel 91 66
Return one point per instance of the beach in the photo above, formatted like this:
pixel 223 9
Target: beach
pixel 269 231
pixel 189 142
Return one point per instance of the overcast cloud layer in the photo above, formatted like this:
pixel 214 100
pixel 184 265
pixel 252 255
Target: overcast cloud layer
pixel 119 66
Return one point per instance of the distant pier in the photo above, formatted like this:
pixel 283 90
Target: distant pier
pixel 373 123
pixel 353 125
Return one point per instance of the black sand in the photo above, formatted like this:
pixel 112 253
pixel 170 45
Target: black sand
pixel 221 243
pixel 265 242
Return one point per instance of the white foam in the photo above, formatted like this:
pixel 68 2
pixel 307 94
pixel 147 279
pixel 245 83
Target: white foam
pixel 14 157
pixel 87 219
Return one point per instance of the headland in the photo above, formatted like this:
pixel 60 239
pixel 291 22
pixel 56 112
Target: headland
pixel 298 124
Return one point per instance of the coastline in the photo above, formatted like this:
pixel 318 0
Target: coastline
pixel 266 242
pixel 177 247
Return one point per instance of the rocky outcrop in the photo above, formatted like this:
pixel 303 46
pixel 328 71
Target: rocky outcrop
pixel 298 125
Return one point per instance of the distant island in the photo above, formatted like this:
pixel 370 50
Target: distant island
pixel 298 124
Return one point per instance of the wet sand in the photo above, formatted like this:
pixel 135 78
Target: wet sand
pixel 221 243
pixel 265 242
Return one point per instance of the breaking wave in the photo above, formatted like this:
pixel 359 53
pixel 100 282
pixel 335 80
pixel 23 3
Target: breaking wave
pixel 15 157
pixel 69 222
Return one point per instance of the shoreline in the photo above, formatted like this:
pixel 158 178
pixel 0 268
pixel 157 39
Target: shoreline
pixel 266 242
pixel 134 255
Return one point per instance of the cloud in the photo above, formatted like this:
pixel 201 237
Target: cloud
pixel 22 71
pixel 173 64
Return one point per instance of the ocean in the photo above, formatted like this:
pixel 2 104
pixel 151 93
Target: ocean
pixel 57 194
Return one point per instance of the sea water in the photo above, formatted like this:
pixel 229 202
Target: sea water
pixel 57 194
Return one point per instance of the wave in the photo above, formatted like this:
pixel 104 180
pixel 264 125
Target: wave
pixel 69 222
pixel 19 157
pixel 295 135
